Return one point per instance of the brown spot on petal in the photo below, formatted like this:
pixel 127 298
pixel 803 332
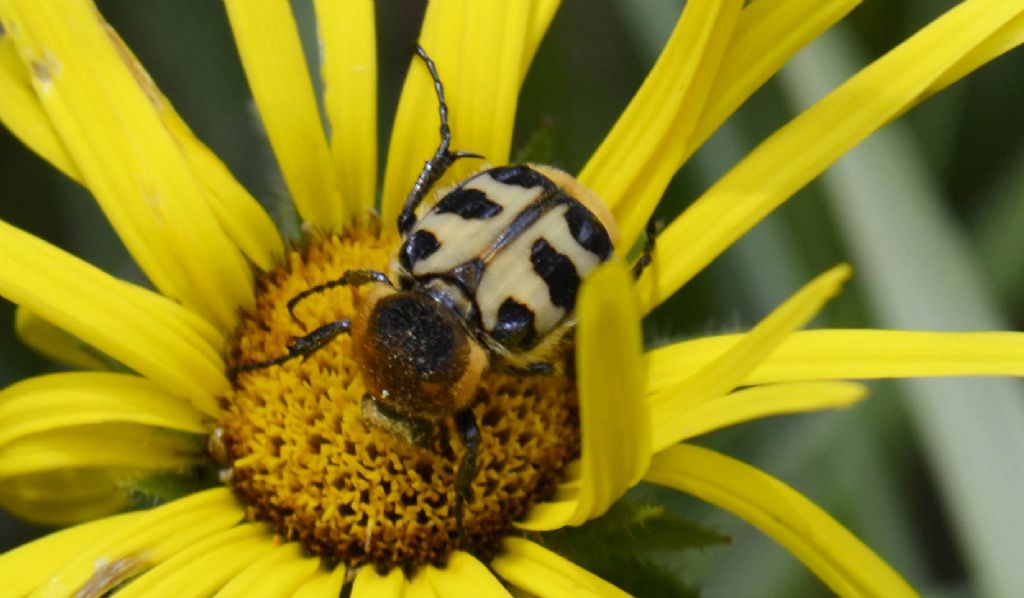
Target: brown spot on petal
pixel 110 575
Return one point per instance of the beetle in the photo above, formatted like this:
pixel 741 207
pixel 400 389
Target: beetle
pixel 485 279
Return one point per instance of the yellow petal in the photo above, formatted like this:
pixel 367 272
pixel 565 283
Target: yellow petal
pixel 30 565
pixel 858 354
pixel 541 13
pixel 762 401
pixel 243 219
pixel 281 579
pixel 63 497
pixel 730 368
pixel 348 48
pixel 238 213
pixel 464 577
pixel 53 343
pixel 128 159
pixel 482 50
pixel 647 145
pixel 21 112
pixel 802 149
pixel 419 587
pixel 142 330
pixel 368 584
pixel 203 568
pixel 767 35
pixel 268 42
pixel 115 445
pixel 171 315
pixel 66 400
pixel 152 537
pixel 808 533
pixel 554 513
pixel 277 573
pixel 1008 37
pixel 324 584
pixel 614 417
pixel 543 573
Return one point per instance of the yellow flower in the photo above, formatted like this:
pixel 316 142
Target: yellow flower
pixel 74 94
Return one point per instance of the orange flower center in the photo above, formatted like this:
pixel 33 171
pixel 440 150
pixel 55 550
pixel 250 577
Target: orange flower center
pixel 305 458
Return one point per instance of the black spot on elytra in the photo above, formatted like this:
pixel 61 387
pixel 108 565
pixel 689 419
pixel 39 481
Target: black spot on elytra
pixel 588 231
pixel 558 272
pixel 521 176
pixel 420 245
pixel 470 204
pixel 515 328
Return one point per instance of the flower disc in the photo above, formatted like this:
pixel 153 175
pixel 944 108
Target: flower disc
pixel 305 459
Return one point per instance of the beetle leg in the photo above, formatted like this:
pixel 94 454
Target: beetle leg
pixel 435 167
pixel 540 368
pixel 352 278
pixel 650 232
pixel 302 346
pixel 446 443
pixel 469 435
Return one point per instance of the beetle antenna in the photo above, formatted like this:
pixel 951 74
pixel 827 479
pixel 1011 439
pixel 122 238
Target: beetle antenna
pixel 435 167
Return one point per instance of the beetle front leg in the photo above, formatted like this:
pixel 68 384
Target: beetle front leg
pixel 302 346
pixel 443 158
pixel 352 278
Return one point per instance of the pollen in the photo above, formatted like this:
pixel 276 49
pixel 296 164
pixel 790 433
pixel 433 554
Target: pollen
pixel 304 458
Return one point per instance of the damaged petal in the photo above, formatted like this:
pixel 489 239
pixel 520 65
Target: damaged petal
pixel 110 574
pixel 44 70
pixel 140 75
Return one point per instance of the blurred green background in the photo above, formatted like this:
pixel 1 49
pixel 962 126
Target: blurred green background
pixel 930 213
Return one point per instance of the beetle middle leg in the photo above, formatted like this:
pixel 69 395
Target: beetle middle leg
pixel 302 346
